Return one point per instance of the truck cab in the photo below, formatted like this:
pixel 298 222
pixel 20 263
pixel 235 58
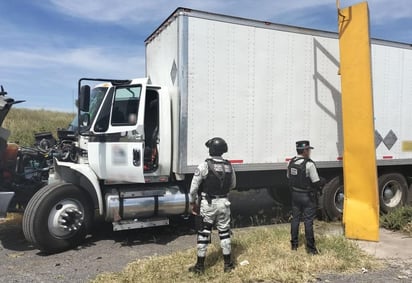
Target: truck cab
pixel 122 170
pixel 128 129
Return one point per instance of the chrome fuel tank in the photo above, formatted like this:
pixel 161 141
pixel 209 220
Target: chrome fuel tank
pixel 123 205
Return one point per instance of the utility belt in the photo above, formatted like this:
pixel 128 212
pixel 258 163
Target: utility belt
pixel 302 190
pixel 209 198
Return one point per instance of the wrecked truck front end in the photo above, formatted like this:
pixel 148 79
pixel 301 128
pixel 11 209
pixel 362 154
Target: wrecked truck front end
pixel 25 170
pixel 7 152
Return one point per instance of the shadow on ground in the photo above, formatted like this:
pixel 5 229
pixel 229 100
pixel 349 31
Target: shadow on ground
pixel 249 208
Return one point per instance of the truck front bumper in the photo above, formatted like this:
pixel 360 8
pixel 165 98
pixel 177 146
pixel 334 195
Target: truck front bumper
pixel 5 198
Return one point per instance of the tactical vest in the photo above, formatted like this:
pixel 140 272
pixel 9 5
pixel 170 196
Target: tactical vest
pixel 297 174
pixel 219 178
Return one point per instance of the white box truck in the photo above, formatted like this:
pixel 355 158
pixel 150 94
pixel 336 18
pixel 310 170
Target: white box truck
pixel 261 86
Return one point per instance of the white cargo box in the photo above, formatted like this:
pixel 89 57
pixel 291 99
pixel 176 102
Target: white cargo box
pixel 262 86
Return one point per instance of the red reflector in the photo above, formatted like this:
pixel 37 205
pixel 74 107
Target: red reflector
pixel 236 161
pixel 387 157
pixel 340 158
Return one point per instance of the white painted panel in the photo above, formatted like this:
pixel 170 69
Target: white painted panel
pixel 161 51
pixel 255 87
pixel 161 54
pixel 392 73
pixel 262 89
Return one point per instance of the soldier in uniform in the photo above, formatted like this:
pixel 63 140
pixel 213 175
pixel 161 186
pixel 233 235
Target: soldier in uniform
pixel 212 181
pixel 304 182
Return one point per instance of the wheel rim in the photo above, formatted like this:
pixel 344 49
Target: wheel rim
pixel 66 218
pixel 391 193
pixel 339 198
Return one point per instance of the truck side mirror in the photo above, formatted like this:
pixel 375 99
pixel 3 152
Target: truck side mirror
pixel 84 98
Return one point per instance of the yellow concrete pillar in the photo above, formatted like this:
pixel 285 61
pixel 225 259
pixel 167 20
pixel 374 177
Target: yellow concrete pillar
pixel 361 207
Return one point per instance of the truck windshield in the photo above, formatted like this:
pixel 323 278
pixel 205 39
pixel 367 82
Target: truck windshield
pixel 96 97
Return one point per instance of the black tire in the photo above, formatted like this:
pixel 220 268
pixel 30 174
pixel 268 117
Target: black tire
pixel 45 210
pixel 393 191
pixel 332 199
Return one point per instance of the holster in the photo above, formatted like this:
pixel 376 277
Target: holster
pixel 314 196
pixel 198 222
pixel 208 199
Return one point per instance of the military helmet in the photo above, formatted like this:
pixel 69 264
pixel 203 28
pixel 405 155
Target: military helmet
pixel 217 146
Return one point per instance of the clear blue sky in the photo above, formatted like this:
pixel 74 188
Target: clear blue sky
pixel 47 45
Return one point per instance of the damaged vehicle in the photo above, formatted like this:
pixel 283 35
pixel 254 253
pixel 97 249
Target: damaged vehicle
pixel 24 170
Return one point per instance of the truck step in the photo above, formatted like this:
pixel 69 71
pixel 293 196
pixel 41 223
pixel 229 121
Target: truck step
pixel 138 224
pixel 5 199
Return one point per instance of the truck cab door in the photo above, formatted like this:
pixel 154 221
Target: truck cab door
pixel 116 144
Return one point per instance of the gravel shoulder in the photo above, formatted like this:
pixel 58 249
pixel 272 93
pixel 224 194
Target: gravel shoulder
pixel 105 251
pixel 394 252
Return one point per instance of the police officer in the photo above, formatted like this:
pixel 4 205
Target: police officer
pixel 212 181
pixel 304 182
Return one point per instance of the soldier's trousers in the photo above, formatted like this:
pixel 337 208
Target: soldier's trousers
pixel 218 213
pixel 303 207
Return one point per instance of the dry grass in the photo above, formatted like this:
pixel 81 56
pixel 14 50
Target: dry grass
pixel 270 260
pixel 399 219
pixel 23 123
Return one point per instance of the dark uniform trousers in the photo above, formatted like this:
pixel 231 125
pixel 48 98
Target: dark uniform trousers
pixel 303 208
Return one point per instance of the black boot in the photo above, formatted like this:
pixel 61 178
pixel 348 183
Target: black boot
pixel 229 265
pixel 312 251
pixel 293 246
pixel 311 248
pixel 199 267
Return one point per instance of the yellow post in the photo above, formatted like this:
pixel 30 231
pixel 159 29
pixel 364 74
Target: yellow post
pixel 361 206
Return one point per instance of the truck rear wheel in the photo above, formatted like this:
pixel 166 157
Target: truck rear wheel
pixel 333 198
pixel 58 217
pixel 393 190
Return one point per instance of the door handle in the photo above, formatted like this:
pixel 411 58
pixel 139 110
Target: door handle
pixel 136 157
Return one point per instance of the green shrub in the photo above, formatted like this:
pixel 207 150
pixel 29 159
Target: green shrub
pixel 399 219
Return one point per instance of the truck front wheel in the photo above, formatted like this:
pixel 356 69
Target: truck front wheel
pixel 58 217
pixel 393 190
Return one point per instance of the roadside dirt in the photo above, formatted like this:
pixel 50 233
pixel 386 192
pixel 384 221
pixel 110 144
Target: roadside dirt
pixel 395 253
pixel 395 270
pixel 104 251
pixel 108 251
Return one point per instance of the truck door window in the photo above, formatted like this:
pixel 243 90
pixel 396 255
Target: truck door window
pixel 125 106
pixel 151 130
